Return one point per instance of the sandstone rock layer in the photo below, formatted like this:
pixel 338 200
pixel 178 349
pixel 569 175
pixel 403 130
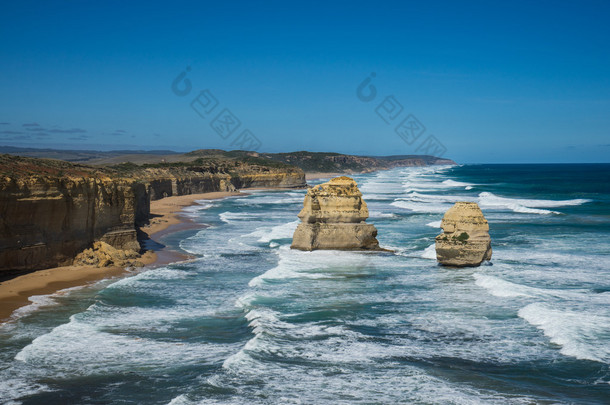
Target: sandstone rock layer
pixel 465 240
pixel 333 217
pixel 46 221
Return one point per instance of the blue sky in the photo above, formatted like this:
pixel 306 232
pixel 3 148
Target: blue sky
pixel 518 82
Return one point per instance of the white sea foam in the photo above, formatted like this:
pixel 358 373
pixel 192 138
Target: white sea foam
pixel 37 302
pixel 261 321
pixel 434 224
pixel 429 252
pixel 288 268
pixel 453 183
pixel 503 288
pixel 136 319
pixel 318 264
pixel 423 185
pixel 580 334
pixel 429 180
pixel 200 205
pixel 267 234
pixel 283 231
pixel 526 206
pixel 378 214
pixel 162 273
pixel 42 301
pixel 144 278
pixel 415 196
pixel 421 207
pixel 537 203
pixel 269 333
pixel 185 400
pixel 545 256
pixel 380 187
pixel 431 203
pixel 180 400
pixel 246 300
pixel 232 217
pixel 81 348
pixel 340 349
pixel 12 389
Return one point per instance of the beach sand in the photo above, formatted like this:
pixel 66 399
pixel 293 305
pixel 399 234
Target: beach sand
pixel 164 212
pixel 165 219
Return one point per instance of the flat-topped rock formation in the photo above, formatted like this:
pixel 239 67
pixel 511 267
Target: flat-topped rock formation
pixel 465 240
pixel 333 217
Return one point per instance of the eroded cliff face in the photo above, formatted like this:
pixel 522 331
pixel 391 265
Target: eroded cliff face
pixel 50 210
pixel 172 181
pixel 45 221
pixel 161 183
pixel 270 179
pixel 465 241
pixel 333 217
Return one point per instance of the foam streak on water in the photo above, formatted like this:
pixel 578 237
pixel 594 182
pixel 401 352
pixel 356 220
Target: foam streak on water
pixel 250 321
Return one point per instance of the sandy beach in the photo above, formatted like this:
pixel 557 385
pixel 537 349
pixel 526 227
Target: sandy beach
pixel 165 219
pixel 164 212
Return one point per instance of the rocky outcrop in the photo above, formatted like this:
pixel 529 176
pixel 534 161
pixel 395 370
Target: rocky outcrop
pixel 465 240
pixel 333 217
pixel 104 255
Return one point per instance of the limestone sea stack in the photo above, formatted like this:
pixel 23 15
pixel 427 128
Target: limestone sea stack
pixel 465 240
pixel 333 217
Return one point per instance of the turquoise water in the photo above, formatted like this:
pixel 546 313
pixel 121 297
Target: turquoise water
pixel 252 322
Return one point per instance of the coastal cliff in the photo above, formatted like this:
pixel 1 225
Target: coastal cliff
pixel 205 175
pixel 47 217
pixel 52 210
pixel 333 217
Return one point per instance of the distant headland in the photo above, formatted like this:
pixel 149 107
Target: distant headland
pixel 310 162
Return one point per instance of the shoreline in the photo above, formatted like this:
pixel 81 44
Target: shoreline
pixel 165 219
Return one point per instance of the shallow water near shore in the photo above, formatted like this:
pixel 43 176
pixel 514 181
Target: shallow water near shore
pixel 250 321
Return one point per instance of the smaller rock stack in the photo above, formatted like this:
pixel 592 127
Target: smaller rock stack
pixel 333 217
pixel 465 240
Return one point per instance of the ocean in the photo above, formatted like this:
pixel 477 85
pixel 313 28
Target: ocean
pixel 252 322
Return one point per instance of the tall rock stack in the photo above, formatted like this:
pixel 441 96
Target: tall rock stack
pixel 333 217
pixel 465 240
